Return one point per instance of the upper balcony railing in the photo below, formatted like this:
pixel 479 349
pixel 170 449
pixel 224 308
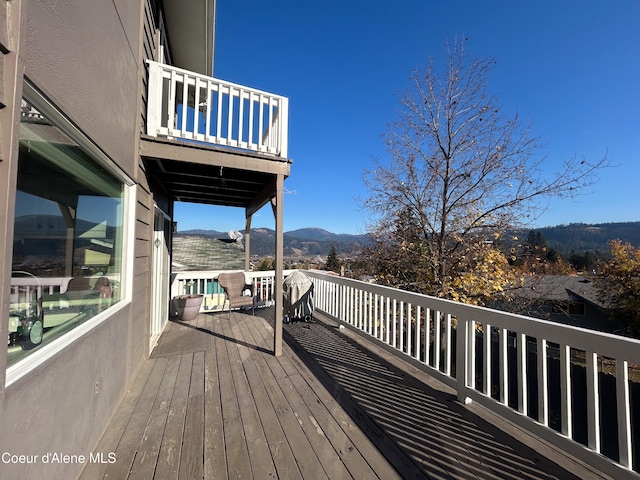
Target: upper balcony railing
pixel 570 386
pixel 190 106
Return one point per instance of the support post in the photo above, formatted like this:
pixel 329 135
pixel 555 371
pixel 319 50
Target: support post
pixel 247 243
pixel 278 212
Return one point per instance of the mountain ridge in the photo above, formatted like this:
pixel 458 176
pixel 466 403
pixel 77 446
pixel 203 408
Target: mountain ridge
pixel 311 241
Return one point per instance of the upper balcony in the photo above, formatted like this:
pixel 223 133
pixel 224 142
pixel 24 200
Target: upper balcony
pixel 189 106
pixel 214 142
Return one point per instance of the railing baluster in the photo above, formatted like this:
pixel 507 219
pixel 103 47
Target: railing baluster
pixel 185 102
pixel 486 350
pixel 418 333
pixel 230 140
pixel 387 320
pixel 261 124
pixel 219 116
pixel 196 110
pixel 171 110
pixel 522 373
pixel 401 332
pixel 593 402
pixel 504 377
pixel 427 336
pixel 207 118
pixel 565 391
pixel 543 382
pixel 241 95
pixel 251 120
pixel 471 356
pixel 624 415
pixel 409 329
pixel 437 333
pixel 447 349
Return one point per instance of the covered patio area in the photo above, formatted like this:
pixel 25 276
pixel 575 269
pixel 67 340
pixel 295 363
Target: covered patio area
pixel 214 402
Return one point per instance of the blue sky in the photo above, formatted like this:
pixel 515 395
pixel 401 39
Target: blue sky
pixel 570 67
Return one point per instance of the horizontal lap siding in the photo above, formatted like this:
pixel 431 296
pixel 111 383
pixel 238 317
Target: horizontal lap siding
pixel 148 52
pixel 142 271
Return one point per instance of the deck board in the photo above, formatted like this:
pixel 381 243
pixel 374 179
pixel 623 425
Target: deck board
pixel 215 460
pixel 170 452
pixel 332 406
pixel 278 445
pixel 260 460
pixel 146 459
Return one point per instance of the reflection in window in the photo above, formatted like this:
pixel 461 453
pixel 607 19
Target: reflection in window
pixel 67 237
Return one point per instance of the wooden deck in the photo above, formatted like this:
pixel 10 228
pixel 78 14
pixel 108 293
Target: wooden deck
pixel 213 402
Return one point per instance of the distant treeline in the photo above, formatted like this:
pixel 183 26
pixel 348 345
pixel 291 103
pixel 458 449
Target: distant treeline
pixel 580 238
pixel 575 240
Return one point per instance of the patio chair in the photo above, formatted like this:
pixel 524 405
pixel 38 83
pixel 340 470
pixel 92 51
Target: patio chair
pixel 234 285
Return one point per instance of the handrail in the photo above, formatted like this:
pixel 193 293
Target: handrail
pixel 206 283
pixel 449 340
pixel 190 106
pixel 501 370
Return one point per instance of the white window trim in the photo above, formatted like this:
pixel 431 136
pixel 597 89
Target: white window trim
pixel 45 352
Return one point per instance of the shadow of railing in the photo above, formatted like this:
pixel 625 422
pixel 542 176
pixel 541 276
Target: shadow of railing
pixel 423 432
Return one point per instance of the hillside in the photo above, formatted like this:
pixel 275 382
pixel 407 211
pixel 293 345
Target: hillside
pixel 311 242
pixel 581 237
pixel 304 243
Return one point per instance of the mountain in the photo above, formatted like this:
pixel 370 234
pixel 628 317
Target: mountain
pixel 304 242
pixel 321 235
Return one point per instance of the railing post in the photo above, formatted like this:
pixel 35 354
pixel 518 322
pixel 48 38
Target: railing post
pixel 462 361
pixel 154 99
pixel 283 140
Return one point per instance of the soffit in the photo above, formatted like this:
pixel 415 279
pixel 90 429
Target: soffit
pixel 191 29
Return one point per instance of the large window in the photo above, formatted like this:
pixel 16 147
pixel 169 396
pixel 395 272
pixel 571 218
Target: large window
pixel 68 236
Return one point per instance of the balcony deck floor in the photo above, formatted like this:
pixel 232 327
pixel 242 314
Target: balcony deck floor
pixel 213 402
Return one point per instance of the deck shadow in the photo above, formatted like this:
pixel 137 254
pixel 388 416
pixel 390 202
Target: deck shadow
pixel 423 432
pixel 189 337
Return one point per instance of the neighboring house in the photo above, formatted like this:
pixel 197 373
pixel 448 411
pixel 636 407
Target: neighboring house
pixel 572 300
pixel 207 253
pixel 107 116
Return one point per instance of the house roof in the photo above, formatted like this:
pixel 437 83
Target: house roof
pixel 202 253
pixel 560 288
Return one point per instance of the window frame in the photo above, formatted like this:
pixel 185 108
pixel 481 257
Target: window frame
pixel 45 352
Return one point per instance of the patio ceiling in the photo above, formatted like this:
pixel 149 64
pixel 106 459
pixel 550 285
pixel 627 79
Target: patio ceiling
pixel 212 175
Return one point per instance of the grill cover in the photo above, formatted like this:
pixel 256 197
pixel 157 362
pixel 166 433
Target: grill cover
pixel 298 295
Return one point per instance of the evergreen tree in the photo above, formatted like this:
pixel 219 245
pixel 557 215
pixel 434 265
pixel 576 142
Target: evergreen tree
pixel 333 263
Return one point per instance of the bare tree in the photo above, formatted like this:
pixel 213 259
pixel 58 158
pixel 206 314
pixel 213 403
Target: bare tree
pixel 463 169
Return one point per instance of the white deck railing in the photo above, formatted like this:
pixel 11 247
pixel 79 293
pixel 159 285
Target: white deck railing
pixel 206 283
pixel 186 105
pixel 492 357
pixel 501 370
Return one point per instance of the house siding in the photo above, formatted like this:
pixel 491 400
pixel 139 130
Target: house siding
pixel 88 68
pixel 93 71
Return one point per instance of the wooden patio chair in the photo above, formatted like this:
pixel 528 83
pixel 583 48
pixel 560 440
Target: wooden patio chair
pixel 234 285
